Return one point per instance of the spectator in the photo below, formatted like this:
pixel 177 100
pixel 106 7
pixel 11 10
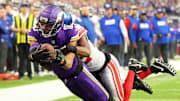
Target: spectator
pixel 5 30
pixel 122 14
pixel 85 21
pixel 22 24
pixel 115 11
pixel 144 37
pixel 161 33
pixel 12 58
pixel 114 32
pixel 49 2
pixel 12 13
pixel 172 39
pixel 178 38
pixel 129 21
pixel 15 7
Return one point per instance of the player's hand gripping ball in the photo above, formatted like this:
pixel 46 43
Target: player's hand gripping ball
pixel 49 48
pixel 56 55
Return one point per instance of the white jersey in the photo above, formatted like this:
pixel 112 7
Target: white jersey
pixel 97 58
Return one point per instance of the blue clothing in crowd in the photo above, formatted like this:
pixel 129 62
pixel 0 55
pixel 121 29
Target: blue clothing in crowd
pixel 129 21
pixel 87 23
pixel 143 30
pixel 160 27
pixel 111 30
pixel 173 34
pixel 10 19
pixel 178 34
pixel 5 30
pixel 10 22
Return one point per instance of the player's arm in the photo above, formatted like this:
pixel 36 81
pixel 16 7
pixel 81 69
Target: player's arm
pixel 134 33
pixel 124 32
pixel 82 50
pixel 127 23
pixel 66 60
pixel 98 31
pixel 69 57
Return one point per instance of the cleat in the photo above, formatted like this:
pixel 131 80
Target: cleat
pixel 160 66
pixel 136 65
pixel 141 85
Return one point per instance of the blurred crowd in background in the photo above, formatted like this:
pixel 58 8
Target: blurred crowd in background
pixel 122 8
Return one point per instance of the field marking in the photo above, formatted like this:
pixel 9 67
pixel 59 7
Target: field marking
pixel 46 91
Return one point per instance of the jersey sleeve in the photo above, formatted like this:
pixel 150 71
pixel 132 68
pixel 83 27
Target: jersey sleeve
pixel 73 34
pixel 75 37
pixel 123 28
pixel 33 39
pixel 81 31
pixel 127 23
pixel 32 36
pixel 134 32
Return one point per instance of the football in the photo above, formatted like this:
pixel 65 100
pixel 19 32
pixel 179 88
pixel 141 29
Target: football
pixel 50 48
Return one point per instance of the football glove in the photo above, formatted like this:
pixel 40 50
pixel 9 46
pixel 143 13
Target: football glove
pixel 59 58
pixel 39 55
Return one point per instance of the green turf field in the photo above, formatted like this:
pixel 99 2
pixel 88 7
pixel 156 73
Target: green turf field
pixel 25 81
pixel 165 88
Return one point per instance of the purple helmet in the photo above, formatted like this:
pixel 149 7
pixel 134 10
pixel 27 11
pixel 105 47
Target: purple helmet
pixel 51 20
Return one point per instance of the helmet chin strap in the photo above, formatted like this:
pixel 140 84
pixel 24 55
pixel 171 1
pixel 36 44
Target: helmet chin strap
pixel 43 34
pixel 51 31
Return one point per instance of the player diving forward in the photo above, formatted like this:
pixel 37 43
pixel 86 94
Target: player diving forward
pixel 50 29
pixel 107 67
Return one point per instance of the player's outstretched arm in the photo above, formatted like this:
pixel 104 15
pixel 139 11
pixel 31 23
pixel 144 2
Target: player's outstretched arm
pixel 69 57
pixel 83 49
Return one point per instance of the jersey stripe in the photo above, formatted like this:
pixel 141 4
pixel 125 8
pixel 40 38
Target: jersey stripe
pixel 81 31
pixel 117 81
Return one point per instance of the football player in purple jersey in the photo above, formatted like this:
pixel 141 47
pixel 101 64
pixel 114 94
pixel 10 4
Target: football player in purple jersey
pixel 68 67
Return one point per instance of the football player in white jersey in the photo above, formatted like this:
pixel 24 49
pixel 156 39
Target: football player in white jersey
pixel 107 69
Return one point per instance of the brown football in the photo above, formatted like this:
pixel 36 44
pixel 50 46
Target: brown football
pixel 50 48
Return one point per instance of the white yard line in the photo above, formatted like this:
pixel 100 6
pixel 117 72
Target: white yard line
pixel 50 90
pixel 45 91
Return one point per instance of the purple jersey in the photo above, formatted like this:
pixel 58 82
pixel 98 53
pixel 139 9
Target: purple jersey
pixel 66 35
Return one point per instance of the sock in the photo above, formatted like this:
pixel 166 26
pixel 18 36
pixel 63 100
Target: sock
pixel 128 85
pixel 143 74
